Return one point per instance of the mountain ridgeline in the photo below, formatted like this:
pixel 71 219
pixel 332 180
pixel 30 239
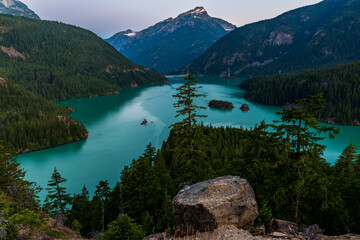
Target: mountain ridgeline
pixel 340 86
pixel 16 8
pixel 59 61
pixel 170 44
pixel 324 34
pixel 43 61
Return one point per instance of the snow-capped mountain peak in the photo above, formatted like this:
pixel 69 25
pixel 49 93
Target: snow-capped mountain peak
pixel 195 12
pixel 198 10
pixel 173 42
pixel 17 8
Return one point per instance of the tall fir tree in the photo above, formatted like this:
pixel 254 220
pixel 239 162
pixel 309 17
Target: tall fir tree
pixel 57 199
pixel 12 180
pixel 102 194
pixel 347 184
pixel 81 211
pixel 301 129
pixel 186 102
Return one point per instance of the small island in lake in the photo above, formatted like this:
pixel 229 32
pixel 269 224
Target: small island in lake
pixel 220 104
pixel 144 122
pixel 244 107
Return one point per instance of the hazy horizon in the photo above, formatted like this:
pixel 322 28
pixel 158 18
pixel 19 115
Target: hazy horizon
pixel 112 16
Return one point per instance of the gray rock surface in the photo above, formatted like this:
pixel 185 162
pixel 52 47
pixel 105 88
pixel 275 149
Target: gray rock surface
pixel 209 205
pixel 16 8
pixel 281 226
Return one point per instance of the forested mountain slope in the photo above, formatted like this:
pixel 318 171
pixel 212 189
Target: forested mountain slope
pixel 340 85
pixel 324 34
pixel 59 61
pixel 30 122
pixel 42 61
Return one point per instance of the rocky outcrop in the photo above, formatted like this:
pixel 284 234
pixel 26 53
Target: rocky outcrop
pixel 16 8
pixel 222 233
pixel 281 226
pixel 209 205
pixel 224 209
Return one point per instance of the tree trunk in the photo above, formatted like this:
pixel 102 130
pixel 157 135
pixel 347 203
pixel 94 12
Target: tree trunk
pixel 102 217
pixel 298 153
pixel 296 210
pixel 121 205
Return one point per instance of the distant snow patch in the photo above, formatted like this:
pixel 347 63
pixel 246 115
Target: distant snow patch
pixel 130 34
pixel 7 3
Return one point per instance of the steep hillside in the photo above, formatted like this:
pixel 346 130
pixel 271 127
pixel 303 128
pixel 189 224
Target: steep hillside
pixel 16 8
pixel 327 33
pixel 42 61
pixel 59 61
pixel 340 85
pixel 170 44
pixel 30 122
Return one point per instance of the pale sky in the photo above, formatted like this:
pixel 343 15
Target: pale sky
pixel 107 17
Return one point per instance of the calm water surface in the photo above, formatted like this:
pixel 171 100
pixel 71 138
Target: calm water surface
pixel 116 136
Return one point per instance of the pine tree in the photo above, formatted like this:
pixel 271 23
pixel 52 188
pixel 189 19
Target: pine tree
pixel 57 199
pixel 186 96
pixel 347 184
pixel 81 211
pixel 10 170
pixel 102 193
pixel 300 128
pixel 12 182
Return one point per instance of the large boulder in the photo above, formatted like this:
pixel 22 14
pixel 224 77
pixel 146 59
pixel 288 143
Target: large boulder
pixel 208 205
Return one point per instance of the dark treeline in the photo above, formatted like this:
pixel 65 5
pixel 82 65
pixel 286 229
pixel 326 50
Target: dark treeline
pixel 18 201
pixel 140 203
pixel 281 161
pixel 340 86
pixel 330 195
pixel 30 122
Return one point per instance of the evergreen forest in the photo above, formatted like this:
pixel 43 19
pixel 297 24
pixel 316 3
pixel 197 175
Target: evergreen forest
pixel 42 62
pixel 283 162
pixel 340 86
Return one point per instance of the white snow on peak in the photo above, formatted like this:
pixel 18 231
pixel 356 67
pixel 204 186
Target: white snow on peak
pixel 7 3
pixel 198 10
pixel 131 34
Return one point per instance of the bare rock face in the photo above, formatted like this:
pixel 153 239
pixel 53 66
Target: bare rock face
pixel 222 233
pixel 281 226
pixel 208 205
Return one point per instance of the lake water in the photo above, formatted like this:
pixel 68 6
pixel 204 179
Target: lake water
pixel 116 136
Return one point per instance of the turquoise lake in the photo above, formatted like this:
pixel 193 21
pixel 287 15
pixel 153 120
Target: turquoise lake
pixel 116 136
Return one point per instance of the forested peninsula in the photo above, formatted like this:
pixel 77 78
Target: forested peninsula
pixel 42 62
pixel 340 86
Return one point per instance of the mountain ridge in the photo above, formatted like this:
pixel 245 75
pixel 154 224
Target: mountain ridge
pixel 309 37
pixel 173 42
